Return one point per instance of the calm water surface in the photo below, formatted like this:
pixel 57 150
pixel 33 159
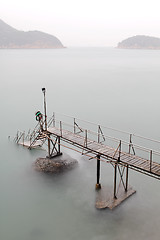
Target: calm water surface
pixel 117 88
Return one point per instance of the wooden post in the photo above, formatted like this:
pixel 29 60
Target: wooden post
pixel 98 185
pixel 115 180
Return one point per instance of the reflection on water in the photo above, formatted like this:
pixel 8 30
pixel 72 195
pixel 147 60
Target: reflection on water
pixel 117 88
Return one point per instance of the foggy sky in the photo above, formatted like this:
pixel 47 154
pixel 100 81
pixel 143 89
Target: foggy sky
pixel 84 22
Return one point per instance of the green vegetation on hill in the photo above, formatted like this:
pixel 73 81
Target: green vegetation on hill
pixel 12 38
pixel 140 42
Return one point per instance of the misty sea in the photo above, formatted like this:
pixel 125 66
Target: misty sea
pixel 108 86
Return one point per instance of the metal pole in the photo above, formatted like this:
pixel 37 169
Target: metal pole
pixel 59 145
pixel 54 120
pixel 17 137
pixel 119 151
pixel 126 189
pixel 86 137
pixel 130 142
pixel 98 133
pixel 150 160
pixel 98 185
pixel 49 148
pixel 60 127
pixel 115 180
pixel 23 138
pixel 74 127
pixel 45 110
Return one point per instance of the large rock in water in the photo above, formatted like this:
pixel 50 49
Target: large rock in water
pixel 13 38
pixel 56 164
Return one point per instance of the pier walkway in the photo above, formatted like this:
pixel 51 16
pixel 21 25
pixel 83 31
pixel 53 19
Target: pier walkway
pixel 108 153
pixel 98 143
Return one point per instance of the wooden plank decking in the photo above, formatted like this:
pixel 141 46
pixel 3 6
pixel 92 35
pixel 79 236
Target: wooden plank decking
pixel 37 143
pixel 105 151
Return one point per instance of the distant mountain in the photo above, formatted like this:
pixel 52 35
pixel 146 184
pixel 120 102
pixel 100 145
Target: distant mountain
pixel 140 42
pixel 13 38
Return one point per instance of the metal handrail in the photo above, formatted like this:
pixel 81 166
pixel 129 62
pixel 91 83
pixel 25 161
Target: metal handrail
pixel 128 144
pixel 114 139
pixel 114 129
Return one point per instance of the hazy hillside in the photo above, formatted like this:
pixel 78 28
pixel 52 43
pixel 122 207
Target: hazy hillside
pixel 12 38
pixel 140 42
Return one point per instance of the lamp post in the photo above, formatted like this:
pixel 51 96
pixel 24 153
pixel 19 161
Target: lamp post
pixel 45 120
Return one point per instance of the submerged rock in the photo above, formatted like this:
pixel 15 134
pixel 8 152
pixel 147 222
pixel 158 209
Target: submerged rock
pixel 55 165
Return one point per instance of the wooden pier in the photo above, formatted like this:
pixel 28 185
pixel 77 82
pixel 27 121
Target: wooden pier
pixel 95 147
pixel 108 153
pixel 121 154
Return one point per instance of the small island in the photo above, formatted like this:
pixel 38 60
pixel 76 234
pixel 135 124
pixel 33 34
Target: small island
pixel 140 42
pixel 11 38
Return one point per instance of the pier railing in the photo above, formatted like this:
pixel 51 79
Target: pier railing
pixel 20 136
pixel 126 142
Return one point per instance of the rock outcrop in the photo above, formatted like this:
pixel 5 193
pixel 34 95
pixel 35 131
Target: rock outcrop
pixel 55 165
